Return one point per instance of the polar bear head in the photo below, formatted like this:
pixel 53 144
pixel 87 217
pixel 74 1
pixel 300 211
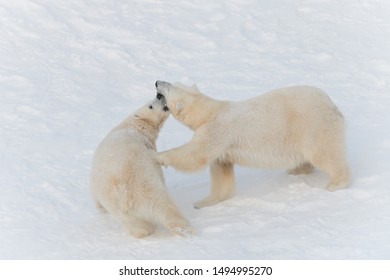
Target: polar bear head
pixel 186 104
pixel 152 115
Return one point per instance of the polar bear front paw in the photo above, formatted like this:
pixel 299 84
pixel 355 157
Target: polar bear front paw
pixel 163 159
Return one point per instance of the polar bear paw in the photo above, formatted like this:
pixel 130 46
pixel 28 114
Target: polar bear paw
pixel 208 201
pixel 182 230
pixel 163 159
pixel 336 187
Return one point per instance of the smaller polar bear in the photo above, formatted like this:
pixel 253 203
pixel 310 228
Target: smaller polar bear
pixel 297 128
pixel 127 181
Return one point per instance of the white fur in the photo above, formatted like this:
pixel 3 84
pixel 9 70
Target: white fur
pixel 297 128
pixel 127 181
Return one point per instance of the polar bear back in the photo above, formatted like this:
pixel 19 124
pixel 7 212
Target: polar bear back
pixel 276 104
pixel 278 125
pixel 125 159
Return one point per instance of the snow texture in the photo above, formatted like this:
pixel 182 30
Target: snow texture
pixel 70 70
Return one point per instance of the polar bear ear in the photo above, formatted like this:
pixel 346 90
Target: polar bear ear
pixel 194 87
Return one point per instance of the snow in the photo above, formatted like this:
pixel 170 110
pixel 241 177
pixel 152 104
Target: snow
pixel 71 70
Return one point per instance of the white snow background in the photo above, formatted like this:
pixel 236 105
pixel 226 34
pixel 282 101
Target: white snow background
pixel 70 70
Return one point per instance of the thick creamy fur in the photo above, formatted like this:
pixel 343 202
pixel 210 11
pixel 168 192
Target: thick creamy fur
pixel 127 181
pixel 297 128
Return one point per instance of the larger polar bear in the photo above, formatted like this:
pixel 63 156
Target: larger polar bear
pixel 297 128
pixel 126 179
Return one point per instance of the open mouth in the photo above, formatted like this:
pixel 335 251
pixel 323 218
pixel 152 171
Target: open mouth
pixel 161 97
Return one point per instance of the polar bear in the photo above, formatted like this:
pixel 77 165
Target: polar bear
pixel 126 179
pixel 297 128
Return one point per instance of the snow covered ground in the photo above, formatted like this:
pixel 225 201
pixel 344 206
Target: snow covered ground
pixel 72 69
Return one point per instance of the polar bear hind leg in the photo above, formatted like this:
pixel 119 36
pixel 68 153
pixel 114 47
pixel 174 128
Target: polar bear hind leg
pixel 330 158
pixel 167 214
pixel 137 227
pixel 222 184
pixel 337 170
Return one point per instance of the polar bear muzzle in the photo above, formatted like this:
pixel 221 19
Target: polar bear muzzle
pixel 161 97
pixel 164 102
pixel 162 86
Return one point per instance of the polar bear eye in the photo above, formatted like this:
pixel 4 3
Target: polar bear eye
pixel 150 107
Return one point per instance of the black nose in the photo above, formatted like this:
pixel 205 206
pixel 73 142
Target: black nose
pixel 156 83
pixel 159 96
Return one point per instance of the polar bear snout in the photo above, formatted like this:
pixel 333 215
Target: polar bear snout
pixel 159 103
pixel 162 88
pixel 162 83
pixel 161 98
